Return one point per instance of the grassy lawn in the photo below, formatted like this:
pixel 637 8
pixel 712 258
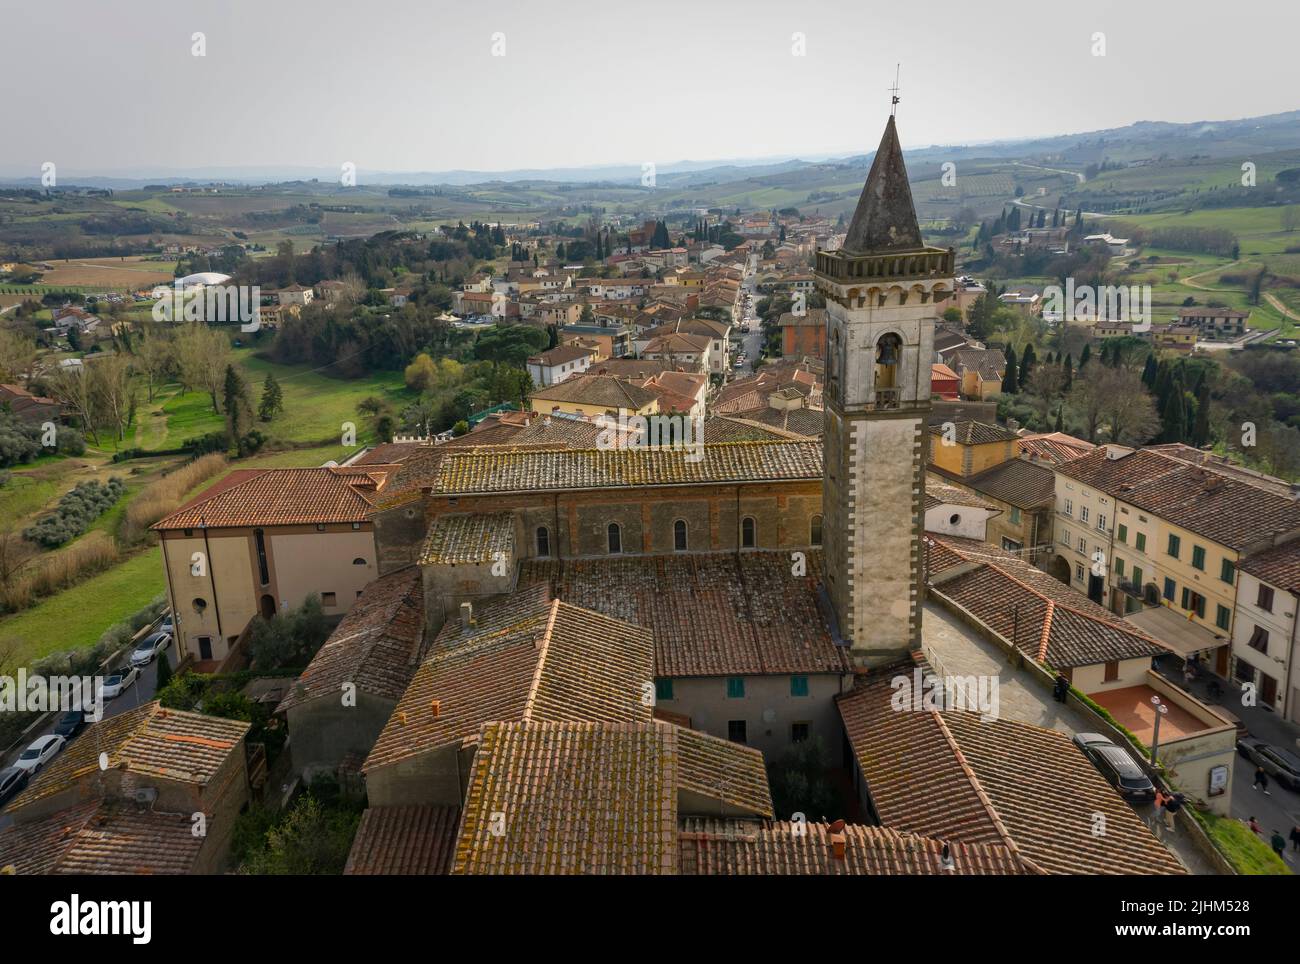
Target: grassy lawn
pixel 77 617
pixel 1245 851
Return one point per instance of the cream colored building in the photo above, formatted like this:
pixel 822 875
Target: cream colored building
pixel 260 542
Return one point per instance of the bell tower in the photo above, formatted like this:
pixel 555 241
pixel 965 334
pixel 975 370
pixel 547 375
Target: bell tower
pixel 884 290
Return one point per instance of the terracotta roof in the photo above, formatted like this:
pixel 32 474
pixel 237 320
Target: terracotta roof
pixel 734 847
pixel 811 318
pixel 1115 475
pixel 1279 566
pixel 507 470
pixel 938 492
pixel 1025 485
pixel 377 646
pixel 594 798
pixel 148 741
pixel 970 432
pixel 954 776
pixel 1054 447
pixel 469 539
pixel 1052 623
pixel 1222 465
pixel 404 840
pixel 101 837
pixel 527 658
pixel 271 497
pixel 1230 512
pixel 606 391
pixel 725 428
pixel 559 355
pixel 711 614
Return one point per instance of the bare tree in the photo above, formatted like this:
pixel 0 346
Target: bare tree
pixel 155 356
pixel 72 387
pixel 1088 396
pixel 1128 412
pixel 1046 385
pixel 203 354
pixel 111 389
pixel 17 355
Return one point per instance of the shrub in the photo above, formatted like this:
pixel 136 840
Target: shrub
pixel 74 513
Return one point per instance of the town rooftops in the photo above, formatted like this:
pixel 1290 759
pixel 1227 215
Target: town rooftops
pixel 1053 447
pixel 1114 469
pixel 560 355
pixel 404 840
pixel 279 497
pixel 514 470
pixel 710 614
pixel 527 657
pixel 951 775
pixel 376 647
pixel 102 837
pixel 939 492
pixel 1049 621
pixel 598 798
pixel 148 742
pixel 469 539
pixel 811 318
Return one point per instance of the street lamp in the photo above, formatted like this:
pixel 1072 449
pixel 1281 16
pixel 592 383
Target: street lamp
pixel 1161 710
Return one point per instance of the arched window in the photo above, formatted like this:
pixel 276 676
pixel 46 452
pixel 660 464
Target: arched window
pixel 543 541
pixel 615 538
pixel 815 531
pixel 358 561
pixel 888 351
pixel 747 533
pixel 679 535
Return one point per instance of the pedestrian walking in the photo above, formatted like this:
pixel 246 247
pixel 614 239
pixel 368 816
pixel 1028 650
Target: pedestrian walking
pixel 1261 781
pixel 1061 689
pixel 1279 843
pixel 1253 824
pixel 1172 806
pixel 1295 837
pixel 1158 811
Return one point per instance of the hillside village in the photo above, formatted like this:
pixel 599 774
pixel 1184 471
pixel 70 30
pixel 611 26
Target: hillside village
pixel 641 597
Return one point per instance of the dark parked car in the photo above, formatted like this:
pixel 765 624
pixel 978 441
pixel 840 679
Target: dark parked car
pixel 12 780
pixel 1114 763
pixel 1282 765
pixel 70 724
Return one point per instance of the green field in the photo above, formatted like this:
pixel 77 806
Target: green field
pixel 77 617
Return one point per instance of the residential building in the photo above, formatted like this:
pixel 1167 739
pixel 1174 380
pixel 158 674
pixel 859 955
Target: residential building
pixel 558 363
pixel 1265 640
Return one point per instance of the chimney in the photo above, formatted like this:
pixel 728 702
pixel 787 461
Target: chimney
pixel 435 707
pixel 466 616
pixel 946 859
pixel 839 841
pixel 1013 425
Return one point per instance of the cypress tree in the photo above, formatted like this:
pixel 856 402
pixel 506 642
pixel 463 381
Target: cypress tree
pixel 1173 416
pixel 1087 354
pixel 1060 421
pixel 1069 372
pixel 1027 362
pixel 1010 383
pixel 1149 372
pixel 1201 429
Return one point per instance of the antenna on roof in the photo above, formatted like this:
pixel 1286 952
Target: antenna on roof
pixel 893 103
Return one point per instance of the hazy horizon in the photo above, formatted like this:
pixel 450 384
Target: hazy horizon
pixel 406 87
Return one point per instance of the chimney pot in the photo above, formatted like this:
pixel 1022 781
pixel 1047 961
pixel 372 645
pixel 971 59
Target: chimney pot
pixel 435 707
pixel 466 615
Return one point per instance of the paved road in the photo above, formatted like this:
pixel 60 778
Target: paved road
pixel 1279 809
pixel 141 692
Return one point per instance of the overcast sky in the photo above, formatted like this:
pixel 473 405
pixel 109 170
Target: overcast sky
pixel 412 85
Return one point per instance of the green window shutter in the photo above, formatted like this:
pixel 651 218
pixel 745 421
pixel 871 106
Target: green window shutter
pixel 663 689
pixel 1141 542
pixel 735 687
pixel 1223 617
pixel 1228 572
pixel 1198 558
pixel 1175 544
pixel 798 685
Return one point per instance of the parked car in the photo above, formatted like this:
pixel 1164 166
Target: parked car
pixel 1115 764
pixel 12 781
pixel 148 648
pixel 1282 765
pixel 167 626
pixel 70 724
pixel 41 752
pixel 116 683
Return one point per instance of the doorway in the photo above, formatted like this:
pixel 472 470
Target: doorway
pixel 205 647
pixel 268 606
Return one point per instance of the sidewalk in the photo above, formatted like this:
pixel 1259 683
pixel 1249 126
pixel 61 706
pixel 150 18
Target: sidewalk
pixel 1261 722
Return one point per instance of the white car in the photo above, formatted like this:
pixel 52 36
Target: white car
pixel 150 647
pixel 41 752
pixel 116 683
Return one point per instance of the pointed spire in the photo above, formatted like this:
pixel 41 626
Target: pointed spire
pixel 885 218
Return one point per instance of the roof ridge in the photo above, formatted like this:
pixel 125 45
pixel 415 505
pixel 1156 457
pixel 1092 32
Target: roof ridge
pixel 531 700
pixel 1047 631
pixel 978 787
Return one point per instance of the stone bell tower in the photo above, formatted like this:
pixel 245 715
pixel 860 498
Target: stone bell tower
pixel 884 290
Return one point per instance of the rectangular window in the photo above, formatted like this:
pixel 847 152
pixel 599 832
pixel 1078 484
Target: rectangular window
pixel 735 687
pixel 1198 558
pixel 663 688
pixel 1169 589
pixel 328 599
pixel 1259 639
pixel 1078 572
pixel 1175 545
pixel 1265 600
pixel 799 732
pixel 1222 617
pixel 1069 507
pixel 798 685
pixel 1228 571
pixel 1141 542
pixel 1015 517
pixel 1083 545
pixel 736 731
pixel 1112 671
pixel 1137 576
pixel 1083 513
pixel 1101 521
pixel 1123 533
pixel 1119 566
